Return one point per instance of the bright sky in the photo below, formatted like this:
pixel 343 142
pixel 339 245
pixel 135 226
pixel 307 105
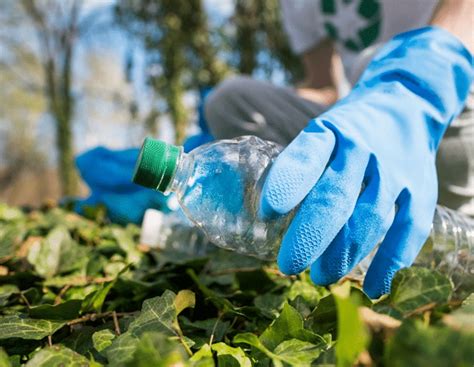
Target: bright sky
pixel 103 123
pixel 119 134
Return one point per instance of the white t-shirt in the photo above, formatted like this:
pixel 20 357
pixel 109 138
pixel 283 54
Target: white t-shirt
pixel 358 27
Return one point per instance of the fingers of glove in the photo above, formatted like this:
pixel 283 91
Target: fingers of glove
pixel 371 219
pixel 324 211
pixel 401 245
pixel 296 170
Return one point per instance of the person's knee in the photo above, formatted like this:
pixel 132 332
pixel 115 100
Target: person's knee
pixel 223 101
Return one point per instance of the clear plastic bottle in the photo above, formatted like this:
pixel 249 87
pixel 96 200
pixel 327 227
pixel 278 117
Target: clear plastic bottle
pixel 218 187
pixel 173 231
pixel 449 249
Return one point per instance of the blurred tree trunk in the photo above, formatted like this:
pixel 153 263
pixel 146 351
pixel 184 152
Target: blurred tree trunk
pixel 259 29
pixel 151 121
pixel 174 65
pixel 212 71
pixel 176 38
pixel 174 68
pixel 177 109
pixel 246 20
pixel 57 39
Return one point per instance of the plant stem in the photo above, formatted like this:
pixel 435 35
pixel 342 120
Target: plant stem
pixel 96 316
pixel 116 323
pixel 211 339
pixel 61 293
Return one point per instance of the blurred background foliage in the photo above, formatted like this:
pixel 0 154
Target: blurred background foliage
pixel 81 73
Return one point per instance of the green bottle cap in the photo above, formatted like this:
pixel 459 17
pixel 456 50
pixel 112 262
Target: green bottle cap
pixel 156 164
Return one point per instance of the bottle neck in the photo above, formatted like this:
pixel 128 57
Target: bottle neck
pixel 181 176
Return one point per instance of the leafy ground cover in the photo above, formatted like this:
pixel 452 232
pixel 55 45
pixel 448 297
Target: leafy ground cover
pixel 78 292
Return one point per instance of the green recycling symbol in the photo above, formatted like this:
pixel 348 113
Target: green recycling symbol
pixel 353 23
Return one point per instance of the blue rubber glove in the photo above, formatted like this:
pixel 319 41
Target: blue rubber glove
pixel 107 173
pixel 383 138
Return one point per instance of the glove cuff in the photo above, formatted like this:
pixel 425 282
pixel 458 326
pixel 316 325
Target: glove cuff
pixel 431 64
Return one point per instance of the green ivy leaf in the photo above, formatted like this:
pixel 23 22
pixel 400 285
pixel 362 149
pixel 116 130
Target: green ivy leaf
pixel 415 287
pixel 203 357
pixel 80 340
pixel 95 300
pixel 25 328
pixel 293 352
pixel 102 339
pixel 67 310
pixel 305 346
pixel 221 303
pixel 310 293
pixel 213 326
pixel 4 359
pixel 11 235
pixel 417 345
pixel 228 356
pixel 254 341
pixel 57 253
pixel 157 350
pixel 158 314
pixel 6 291
pixel 183 300
pixel 59 356
pixel 126 243
pixel 324 317
pixel 270 304
pixel 121 350
pixel 297 352
pixel 289 325
pixel 257 281
pixel 353 338
pixel 10 214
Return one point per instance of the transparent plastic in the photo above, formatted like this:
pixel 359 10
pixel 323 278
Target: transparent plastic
pixel 448 249
pixel 218 186
pixel 173 231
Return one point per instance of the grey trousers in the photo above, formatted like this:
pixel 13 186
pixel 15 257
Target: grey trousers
pixel 244 106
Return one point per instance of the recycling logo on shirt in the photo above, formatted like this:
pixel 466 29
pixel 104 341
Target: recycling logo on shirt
pixel 353 23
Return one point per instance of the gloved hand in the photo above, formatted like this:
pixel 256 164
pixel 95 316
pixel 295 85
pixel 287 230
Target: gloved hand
pixel 371 153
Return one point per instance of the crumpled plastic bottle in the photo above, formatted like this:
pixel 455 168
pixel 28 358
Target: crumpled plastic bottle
pixel 218 187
